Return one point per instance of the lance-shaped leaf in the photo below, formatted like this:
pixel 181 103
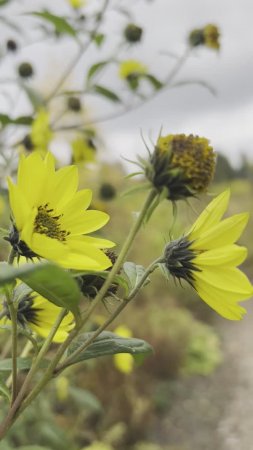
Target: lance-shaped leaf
pixel 107 343
pixel 4 390
pixel 50 281
pixel 61 25
pixel 107 93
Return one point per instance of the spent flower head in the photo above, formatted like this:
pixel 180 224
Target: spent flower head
pixel 132 70
pixel 184 165
pixel 50 218
pixel 133 33
pixel 207 258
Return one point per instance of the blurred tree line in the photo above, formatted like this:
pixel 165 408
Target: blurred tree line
pixel 225 171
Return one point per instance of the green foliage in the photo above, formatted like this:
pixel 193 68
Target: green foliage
pixel 61 25
pixel 107 93
pixel 134 273
pixel 107 343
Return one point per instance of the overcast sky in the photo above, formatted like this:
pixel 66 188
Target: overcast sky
pixel 226 119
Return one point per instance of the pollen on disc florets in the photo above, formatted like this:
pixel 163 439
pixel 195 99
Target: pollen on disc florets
pixel 182 164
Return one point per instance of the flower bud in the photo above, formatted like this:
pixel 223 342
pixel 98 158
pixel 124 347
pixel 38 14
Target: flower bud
pixel 74 104
pixel 208 36
pixel 107 192
pixel 133 33
pixel 25 70
pixel 11 45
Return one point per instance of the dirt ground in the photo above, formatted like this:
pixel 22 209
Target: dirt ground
pixel 216 412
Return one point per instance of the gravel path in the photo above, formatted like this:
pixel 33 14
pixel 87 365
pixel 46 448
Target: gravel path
pixel 216 412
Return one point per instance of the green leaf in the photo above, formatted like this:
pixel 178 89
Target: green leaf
pixel 50 281
pixel 110 95
pixel 61 25
pixel 134 273
pixel 21 120
pixel 4 390
pixel 95 68
pixel 22 363
pixel 107 343
pixel 85 399
pixel 154 81
pixel 98 39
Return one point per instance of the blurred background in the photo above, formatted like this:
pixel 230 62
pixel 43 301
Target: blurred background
pixel 62 88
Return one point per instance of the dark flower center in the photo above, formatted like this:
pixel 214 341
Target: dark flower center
pixel 26 311
pixel 47 223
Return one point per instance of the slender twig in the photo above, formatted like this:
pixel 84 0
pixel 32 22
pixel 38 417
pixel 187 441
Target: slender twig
pixel 83 48
pixel 14 334
pixel 113 316
pixel 27 383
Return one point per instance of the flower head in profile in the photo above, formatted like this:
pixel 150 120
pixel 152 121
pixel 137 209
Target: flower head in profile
pixel 50 218
pixel 207 36
pixel 132 70
pixel 37 314
pixel 207 258
pixel 184 165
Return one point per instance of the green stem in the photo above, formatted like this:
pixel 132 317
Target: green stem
pixel 11 257
pixel 23 354
pixel 78 56
pixel 113 316
pixel 13 317
pixel 124 251
pixel 12 415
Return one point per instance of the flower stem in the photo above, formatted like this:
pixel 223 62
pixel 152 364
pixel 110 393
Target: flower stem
pixel 13 412
pixel 124 251
pixel 113 316
pixel 13 317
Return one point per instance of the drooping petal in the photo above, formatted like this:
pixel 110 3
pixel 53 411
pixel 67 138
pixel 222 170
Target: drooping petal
pixel 32 176
pixel 224 233
pixel 229 255
pixel 211 215
pixel 228 279
pixel 220 301
pixel 85 222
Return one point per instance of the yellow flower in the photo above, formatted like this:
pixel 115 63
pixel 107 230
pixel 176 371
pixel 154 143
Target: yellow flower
pixel 76 4
pixel 207 258
pixel 50 218
pixel 39 315
pixel 41 133
pixel 82 151
pixel 131 68
pixel 124 362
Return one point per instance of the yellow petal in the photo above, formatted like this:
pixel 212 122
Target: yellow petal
pixel 224 233
pixel 19 206
pixel 229 279
pixel 220 301
pixel 124 362
pixel 211 215
pixel 79 203
pixel 85 222
pixel 64 186
pixel 32 176
pixel 229 255
pixel 47 247
pixel 82 256
pixel 96 242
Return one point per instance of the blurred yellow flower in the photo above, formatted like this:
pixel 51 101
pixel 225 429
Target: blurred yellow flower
pixel 207 258
pixel 131 68
pixel 124 362
pixel 38 314
pixel 50 218
pixel 82 151
pixel 62 388
pixel 76 4
pixel 208 36
pixel 98 445
pixel 41 133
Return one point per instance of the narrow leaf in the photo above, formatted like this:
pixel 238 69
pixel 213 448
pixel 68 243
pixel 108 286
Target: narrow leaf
pixel 154 81
pixel 61 25
pixel 107 93
pixel 95 68
pixel 107 343
pixel 22 364
pixel 4 391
